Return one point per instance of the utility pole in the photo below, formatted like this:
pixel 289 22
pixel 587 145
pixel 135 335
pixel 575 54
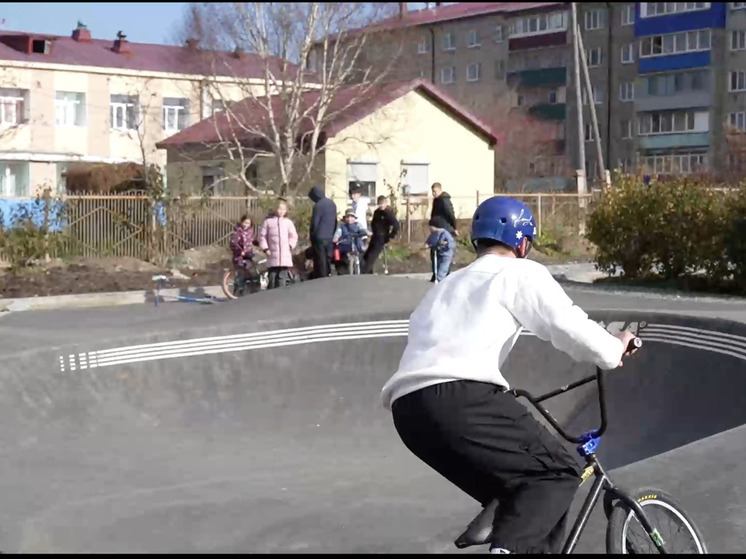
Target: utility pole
pixel 592 105
pixel 580 168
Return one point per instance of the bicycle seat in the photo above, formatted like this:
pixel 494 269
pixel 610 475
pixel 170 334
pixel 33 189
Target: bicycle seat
pixel 479 531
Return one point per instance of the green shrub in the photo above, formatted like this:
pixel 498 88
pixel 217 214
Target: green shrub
pixel 671 228
pixel 735 237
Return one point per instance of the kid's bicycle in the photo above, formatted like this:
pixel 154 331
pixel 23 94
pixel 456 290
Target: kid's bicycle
pixel 646 520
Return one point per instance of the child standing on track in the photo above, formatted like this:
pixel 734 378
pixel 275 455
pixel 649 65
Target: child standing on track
pixel 348 237
pixel 442 245
pixel 278 238
pixel 242 247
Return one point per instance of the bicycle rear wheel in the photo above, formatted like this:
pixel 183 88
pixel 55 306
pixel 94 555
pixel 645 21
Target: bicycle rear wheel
pixel 625 533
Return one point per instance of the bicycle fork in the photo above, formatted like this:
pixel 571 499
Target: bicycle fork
pixel 603 483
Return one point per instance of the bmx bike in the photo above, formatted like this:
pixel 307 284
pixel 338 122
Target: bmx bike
pixel 636 519
pixel 238 282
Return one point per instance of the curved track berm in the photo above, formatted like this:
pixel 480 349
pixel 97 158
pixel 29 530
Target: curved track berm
pixel 249 433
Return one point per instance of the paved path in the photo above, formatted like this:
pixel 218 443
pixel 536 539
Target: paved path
pixel 255 426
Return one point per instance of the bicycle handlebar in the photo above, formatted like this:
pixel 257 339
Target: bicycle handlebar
pixel 635 343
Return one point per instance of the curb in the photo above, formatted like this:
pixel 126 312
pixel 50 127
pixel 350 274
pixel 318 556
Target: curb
pixel 106 299
pixel 118 298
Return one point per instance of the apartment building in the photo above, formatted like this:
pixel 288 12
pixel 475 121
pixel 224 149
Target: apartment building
pixel 79 99
pixel 667 77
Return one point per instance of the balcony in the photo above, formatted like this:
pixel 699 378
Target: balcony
pixel 679 101
pixel 674 62
pixel 548 111
pixel 667 141
pixel 544 76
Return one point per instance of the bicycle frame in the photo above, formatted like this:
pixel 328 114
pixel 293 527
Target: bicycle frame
pixel 588 443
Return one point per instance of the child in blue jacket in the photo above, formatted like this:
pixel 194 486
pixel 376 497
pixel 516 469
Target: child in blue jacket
pixel 348 236
pixel 441 243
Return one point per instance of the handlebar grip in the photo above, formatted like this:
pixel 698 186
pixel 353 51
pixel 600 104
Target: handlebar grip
pixel 635 343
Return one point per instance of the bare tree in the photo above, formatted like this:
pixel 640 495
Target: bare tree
pixel 735 154
pixel 529 146
pixel 309 56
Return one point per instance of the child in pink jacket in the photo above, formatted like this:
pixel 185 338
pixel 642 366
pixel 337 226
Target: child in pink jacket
pixel 278 238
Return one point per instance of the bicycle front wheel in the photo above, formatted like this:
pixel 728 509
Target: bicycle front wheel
pixel 625 534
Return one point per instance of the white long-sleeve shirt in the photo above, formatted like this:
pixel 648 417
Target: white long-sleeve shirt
pixel 465 326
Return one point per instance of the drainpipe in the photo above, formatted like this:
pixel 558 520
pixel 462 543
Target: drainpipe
pixel 609 60
pixel 432 58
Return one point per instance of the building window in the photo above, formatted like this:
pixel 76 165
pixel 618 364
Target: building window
pixel 628 53
pixel 69 109
pixel 212 178
pixel 446 74
pixel 738 5
pixel 598 95
pixel 737 81
pixel 673 122
pixel 416 177
pixel 422 46
pixel 363 174
pixel 474 72
pixel 653 9
pixel 14 178
pixel 628 14
pixel 588 132
pixel 627 91
pixel 12 106
pixel 626 126
pixel 499 69
pixel 595 19
pixel 449 42
pixel 675 83
pixel 217 105
pixel 737 40
pixel 473 39
pixel 498 34
pixel 738 120
pixel 595 57
pixel 539 24
pixel 123 112
pixel 175 114
pixel 675 43
pixel 553 96
pixel 684 163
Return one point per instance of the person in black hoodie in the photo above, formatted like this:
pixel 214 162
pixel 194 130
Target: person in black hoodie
pixel 323 225
pixel 385 227
pixel 442 207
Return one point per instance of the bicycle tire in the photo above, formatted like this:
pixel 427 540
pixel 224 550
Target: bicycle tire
pixel 227 284
pixel 229 278
pixel 621 517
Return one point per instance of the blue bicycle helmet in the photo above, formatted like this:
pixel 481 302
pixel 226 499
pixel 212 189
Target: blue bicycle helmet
pixel 503 219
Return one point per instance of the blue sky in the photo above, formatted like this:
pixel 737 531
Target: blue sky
pixel 153 22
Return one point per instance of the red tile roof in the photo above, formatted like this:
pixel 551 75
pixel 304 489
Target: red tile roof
pixel 464 10
pixel 348 105
pixel 142 57
pixel 453 12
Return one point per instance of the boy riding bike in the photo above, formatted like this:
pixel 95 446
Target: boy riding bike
pixel 449 398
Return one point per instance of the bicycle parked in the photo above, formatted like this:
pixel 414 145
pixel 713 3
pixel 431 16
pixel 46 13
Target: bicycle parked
pixel 636 519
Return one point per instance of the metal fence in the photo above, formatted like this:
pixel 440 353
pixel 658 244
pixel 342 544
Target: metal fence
pixel 557 214
pixel 133 225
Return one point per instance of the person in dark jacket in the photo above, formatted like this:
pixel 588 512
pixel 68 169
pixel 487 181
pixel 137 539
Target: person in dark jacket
pixel 385 227
pixel 323 226
pixel 442 207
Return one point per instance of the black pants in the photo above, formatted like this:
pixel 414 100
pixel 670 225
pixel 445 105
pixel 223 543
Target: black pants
pixel 322 256
pixel 489 445
pixel 371 255
pixel 278 277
